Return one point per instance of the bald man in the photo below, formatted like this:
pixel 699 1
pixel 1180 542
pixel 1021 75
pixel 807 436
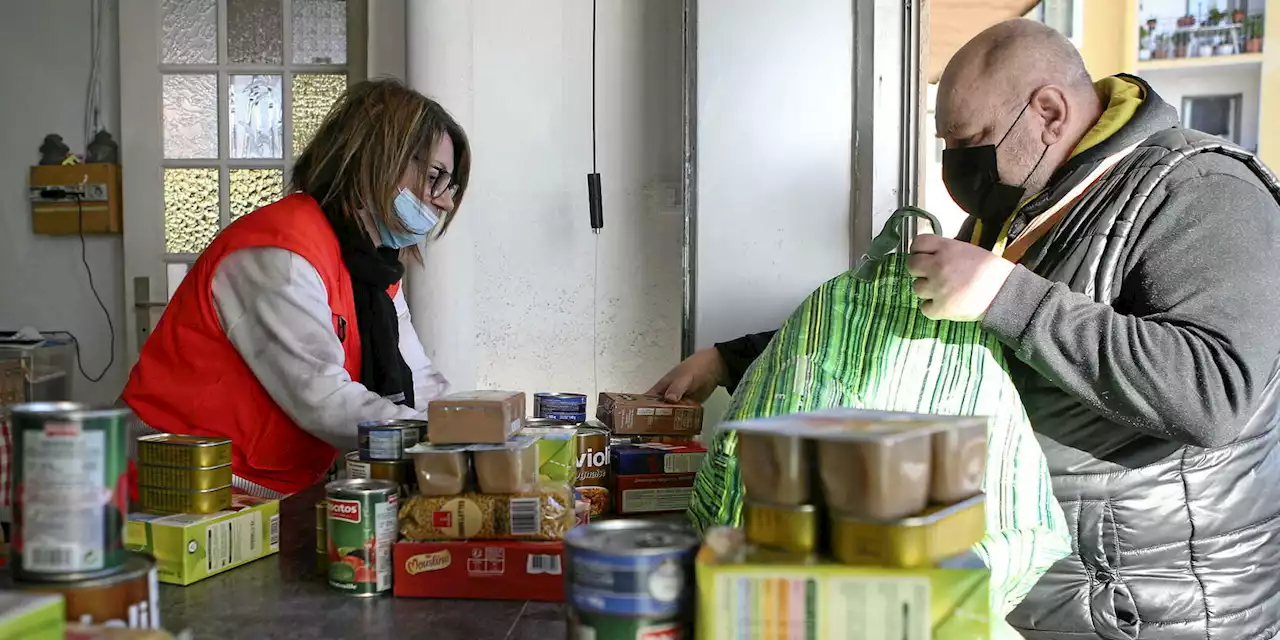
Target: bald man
pixel 1137 298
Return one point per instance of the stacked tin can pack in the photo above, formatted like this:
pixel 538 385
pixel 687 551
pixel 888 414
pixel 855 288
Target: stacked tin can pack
pixel 379 456
pixel 654 452
pixel 70 464
pixel 184 474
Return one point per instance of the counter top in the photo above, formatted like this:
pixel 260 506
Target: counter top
pixel 283 596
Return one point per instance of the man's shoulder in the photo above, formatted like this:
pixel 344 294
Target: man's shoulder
pixel 1208 159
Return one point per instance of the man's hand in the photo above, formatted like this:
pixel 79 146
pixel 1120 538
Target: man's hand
pixel 955 280
pixel 696 378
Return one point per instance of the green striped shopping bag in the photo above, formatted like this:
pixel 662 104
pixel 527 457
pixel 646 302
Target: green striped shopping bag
pixel 861 341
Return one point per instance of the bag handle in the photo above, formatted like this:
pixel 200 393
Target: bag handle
pixel 890 239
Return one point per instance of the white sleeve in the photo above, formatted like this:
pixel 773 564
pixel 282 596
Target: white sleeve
pixel 274 308
pixel 428 382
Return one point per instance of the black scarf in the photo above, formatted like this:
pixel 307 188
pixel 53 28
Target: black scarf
pixel 382 368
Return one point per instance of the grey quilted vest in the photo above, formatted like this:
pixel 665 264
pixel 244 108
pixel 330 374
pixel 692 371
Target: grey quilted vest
pixel 1171 542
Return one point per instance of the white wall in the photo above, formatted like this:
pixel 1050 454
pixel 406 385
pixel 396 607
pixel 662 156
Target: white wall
pixel 44 69
pixel 1245 79
pixel 505 300
pixel 775 103
pixel 774 161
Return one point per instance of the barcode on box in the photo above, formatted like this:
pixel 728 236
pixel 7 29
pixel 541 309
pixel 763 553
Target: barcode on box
pixel 542 563
pixel 526 516
pixel 50 558
pixel 275 533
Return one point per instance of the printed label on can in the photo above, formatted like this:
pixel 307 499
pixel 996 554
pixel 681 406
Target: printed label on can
pixel 620 585
pixel 361 531
pixel 64 498
pixel 359 470
pixel 593 469
pixel 387 443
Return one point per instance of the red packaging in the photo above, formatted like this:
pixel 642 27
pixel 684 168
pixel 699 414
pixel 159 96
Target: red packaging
pixel 653 493
pixel 495 570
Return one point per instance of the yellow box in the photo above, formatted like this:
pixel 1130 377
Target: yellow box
pixel 746 600
pixel 920 541
pixel 188 548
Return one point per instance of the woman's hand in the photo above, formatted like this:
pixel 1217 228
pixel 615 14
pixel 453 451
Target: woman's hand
pixel 696 378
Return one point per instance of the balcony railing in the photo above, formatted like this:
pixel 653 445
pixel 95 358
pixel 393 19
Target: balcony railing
pixel 1214 34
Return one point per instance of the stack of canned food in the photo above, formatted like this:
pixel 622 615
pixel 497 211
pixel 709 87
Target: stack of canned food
pixel 380 455
pixel 69 470
pixel 184 474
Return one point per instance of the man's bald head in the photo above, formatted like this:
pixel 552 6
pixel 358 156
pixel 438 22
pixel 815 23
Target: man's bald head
pixel 1017 55
pixel 1023 86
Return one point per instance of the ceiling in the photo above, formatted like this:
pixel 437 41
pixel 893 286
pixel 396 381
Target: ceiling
pixel 954 22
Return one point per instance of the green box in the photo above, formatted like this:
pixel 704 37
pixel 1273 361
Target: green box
pixel 826 601
pixel 557 454
pixel 32 616
pixel 189 547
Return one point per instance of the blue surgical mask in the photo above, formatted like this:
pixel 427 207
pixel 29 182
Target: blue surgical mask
pixel 416 216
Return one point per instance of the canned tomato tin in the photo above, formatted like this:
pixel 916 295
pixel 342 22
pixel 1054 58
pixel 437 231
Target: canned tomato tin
pixel 181 501
pixel 176 450
pixel 387 439
pixel 362 526
pixel 631 568
pixel 70 494
pixel 593 469
pixel 126 598
pixel 571 407
pixel 588 626
pixel 185 478
pixel 397 471
pixel 322 536
pixel 782 527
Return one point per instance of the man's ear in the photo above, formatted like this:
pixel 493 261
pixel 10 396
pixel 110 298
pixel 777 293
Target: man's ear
pixel 1050 102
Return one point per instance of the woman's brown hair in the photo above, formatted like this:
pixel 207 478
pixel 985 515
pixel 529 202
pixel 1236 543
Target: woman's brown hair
pixel 371 136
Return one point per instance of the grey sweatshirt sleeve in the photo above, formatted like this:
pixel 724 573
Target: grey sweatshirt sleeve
pixel 1202 334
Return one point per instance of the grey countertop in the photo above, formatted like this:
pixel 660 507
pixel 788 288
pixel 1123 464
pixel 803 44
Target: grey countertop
pixel 283 596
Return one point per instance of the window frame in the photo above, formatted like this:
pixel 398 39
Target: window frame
pixel 1236 113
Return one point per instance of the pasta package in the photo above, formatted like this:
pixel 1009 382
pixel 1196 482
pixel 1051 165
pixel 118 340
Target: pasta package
pixel 544 514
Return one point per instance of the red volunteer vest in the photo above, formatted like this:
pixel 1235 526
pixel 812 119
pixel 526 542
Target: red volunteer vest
pixel 190 379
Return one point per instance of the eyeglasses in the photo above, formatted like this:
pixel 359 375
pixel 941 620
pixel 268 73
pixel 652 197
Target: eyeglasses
pixel 442 184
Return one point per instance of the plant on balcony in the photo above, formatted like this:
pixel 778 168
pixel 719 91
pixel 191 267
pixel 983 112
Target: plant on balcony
pixel 1238 16
pixel 1162 47
pixel 1180 43
pixel 1151 24
pixel 1216 16
pixel 1253 29
pixel 1187 21
pixel 1144 44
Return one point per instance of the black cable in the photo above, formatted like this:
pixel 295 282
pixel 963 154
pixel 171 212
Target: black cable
pixel 595 197
pixel 84 259
pixel 594 167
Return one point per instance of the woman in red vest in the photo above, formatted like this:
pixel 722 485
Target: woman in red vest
pixel 291 327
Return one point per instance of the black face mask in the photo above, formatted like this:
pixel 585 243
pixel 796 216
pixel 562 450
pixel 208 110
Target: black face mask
pixel 972 177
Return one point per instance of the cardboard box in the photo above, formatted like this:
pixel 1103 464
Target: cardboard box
pixel 759 600
pixel 626 413
pixel 657 457
pixel 475 417
pixel 479 570
pixel 189 548
pixel 653 493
